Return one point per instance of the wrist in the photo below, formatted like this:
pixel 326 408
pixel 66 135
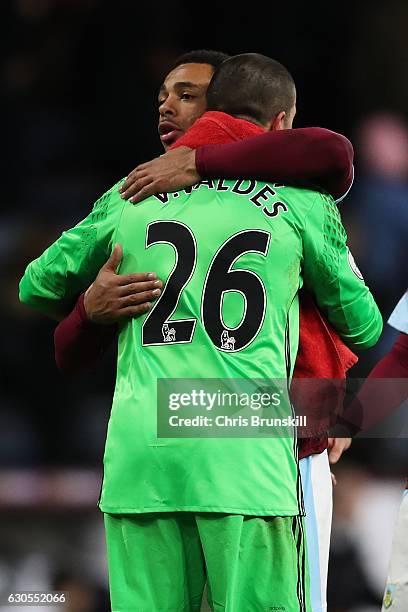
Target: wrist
pixel 191 165
pixel 199 160
pixel 82 310
pixel 344 429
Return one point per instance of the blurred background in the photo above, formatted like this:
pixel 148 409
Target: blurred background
pixel 79 82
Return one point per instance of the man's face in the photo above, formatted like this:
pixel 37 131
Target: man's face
pixel 182 100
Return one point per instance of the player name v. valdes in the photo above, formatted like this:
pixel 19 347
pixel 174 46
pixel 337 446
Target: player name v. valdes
pixel 260 196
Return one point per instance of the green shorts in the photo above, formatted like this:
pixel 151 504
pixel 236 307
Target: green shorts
pixel 161 562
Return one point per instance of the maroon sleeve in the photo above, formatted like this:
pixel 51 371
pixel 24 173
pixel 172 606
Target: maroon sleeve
pixel 377 399
pixel 395 363
pixel 312 446
pixel 79 343
pixel 316 155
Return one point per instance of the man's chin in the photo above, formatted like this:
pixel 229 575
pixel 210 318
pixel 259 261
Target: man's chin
pixel 169 143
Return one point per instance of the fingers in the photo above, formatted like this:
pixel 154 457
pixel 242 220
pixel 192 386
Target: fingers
pixel 135 311
pixel 138 298
pixel 138 183
pixel 334 455
pixel 137 277
pixel 129 180
pixel 142 287
pixel 115 259
pixel 139 172
pixel 339 446
pixel 144 193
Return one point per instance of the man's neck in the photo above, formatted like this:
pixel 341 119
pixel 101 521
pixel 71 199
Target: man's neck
pixel 250 120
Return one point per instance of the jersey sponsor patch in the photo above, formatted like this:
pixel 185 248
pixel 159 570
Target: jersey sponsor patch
pixel 353 265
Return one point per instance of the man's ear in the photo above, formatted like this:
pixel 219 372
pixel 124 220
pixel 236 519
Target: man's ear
pixel 277 123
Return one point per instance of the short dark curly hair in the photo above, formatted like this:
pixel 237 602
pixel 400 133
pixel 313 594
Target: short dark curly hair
pixel 201 56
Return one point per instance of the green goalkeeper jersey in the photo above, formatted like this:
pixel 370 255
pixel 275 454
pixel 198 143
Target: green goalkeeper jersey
pixel 233 255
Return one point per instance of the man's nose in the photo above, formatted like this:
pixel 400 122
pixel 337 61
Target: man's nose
pixel 167 109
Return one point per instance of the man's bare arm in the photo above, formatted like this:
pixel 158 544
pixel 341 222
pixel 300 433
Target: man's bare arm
pixel 315 155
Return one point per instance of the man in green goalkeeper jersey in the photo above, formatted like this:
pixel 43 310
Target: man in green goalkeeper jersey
pixel 174 506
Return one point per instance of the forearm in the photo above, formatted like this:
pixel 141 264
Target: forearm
pixel 316 155
pixel 79 343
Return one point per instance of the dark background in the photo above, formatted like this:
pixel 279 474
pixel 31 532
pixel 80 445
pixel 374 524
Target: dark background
pixel 79 82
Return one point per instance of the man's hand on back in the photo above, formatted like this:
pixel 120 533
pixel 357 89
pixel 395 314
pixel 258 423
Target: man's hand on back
pixel 174 170
pixel 337 446
pixel 112 296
